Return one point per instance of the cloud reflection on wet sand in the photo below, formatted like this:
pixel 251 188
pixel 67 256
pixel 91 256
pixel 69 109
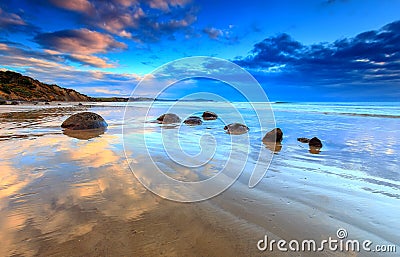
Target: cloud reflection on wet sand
pixel 83 183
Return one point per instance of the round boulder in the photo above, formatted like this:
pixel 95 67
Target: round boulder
pixel 209 115
pixel 193 121
pixel 168 118
pixel 274 135
pixel 236 129
pixel 83 121
pixel 315 142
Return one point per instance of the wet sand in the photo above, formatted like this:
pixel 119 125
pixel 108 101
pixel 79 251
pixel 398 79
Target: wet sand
pixel 61 196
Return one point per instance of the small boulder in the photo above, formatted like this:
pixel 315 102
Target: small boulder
pixel 315 142
pixel 80 104
pixel 209 115
pixel 193 121
pixel 14 103
pixel 236 129
pixel 83 121
pixel 168 118
pixel 274 135
pixel 303 140
pixel 2 101
pixel 47 103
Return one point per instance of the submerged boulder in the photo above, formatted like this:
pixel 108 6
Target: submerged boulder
pixel 236 129
pixel 275 135
pixel 168 118
pixel 209 115
pixel 193 120
pixel 83 121
pixel 303 140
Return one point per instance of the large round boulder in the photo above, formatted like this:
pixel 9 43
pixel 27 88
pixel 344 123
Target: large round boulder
pixel 193 121
pixel 168 118
pixel 83 121
pixel 236 129
pixel 209 115
pixel 275 135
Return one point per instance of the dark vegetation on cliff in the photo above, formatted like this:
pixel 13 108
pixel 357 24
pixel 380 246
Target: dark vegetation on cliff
pixel 14 86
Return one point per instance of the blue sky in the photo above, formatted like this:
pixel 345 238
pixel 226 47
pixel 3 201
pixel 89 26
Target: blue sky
pixel 297 50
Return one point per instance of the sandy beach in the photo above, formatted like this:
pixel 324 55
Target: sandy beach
pixel 62 196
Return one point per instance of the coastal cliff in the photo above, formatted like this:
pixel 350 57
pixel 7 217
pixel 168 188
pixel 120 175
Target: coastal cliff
pixel 14 86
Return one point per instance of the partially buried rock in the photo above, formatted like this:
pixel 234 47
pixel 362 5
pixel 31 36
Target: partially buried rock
pixel 168 118
pixel 14 103
pixel 236 129
pixel 209 115
pixel 303 140
pixel 2 101
pixel 83 121
pixel 274 135
pixel 193 121
pixel 315 142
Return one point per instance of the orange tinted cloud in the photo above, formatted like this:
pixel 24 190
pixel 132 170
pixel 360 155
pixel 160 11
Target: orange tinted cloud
pixel 92 60
pixel 82 41
pixel 83 6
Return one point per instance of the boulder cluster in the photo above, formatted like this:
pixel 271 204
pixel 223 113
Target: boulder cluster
pixel 93 122
pixel 233 128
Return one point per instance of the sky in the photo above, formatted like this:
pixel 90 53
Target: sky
pixel 297 50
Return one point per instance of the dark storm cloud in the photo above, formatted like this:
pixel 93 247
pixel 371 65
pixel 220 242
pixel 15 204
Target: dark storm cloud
pixel 366 58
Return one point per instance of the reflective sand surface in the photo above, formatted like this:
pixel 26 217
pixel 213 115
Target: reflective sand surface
pixel 63 196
